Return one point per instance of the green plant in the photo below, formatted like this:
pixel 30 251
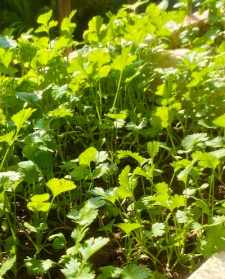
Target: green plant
pixel 112 149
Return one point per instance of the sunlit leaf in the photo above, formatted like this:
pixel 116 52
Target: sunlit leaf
pixel 128 227
pixel 21 117
pixel 58 186
pixel 39 203
pixel 158 229
pixel 7 265
pixel 91 246
pixel 220 121
pixel 88 156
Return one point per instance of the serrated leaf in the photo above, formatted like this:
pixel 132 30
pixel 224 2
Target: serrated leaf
pixel 7 265
pixel 38 267
pixel 108 195
pixel 91 246
pixel 58 186
pixel 133 271
pixel 214 241
pixel 190 141
pixel 109 272
pixel 87 214
pixel 158 229
pixel 102 156
pixel 181 217
pixel 121 154
pixel 71 268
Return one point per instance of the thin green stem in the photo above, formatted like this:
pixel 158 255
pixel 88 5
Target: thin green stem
pixel 117 91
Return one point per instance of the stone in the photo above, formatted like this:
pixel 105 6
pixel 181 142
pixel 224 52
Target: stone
pixel 213 268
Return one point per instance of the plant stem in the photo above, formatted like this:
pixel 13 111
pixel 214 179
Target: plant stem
pixel 117 91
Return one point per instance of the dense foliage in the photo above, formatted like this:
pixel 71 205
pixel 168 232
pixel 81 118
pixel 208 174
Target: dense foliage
pixel 112 149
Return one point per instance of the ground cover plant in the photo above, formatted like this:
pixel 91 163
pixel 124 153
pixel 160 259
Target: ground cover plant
pixel 112 149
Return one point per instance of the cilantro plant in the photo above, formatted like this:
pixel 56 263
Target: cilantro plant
pixel 112 148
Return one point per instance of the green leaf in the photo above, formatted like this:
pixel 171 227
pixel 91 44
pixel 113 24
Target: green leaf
pixel 44 18
pixel 6 57
pixel 128 227
pixel 91 246
pixel 121 154
pixel 102 156
pixel 220 121
pixel 181 217
pixel 71 268
pixel 30 171
pixel 58 186
pixel 153 148
pixel 162 188
pixel 110 195
pixel 67 26
pixel 87 214
pixel 214 241
pixel 9 180
pixel 120 62
pixel 133 271
pixel 206 160
pixel 7 265
pixel 158 229
pixel 85 273
pixel 109 272
pixel 127 184
pixel 177 201
pixel 6 42
pixel 59 241
pixel 219 153
pixel 163 114
pixel 38 267
pixel 197 139
pixel 88 156
pixel 39 203
pixel 81 172
pixel 21 117
pixel 8 138
pixel 74 270
pixel 61 112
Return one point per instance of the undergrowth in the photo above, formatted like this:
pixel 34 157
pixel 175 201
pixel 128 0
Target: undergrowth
pixel 112 149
